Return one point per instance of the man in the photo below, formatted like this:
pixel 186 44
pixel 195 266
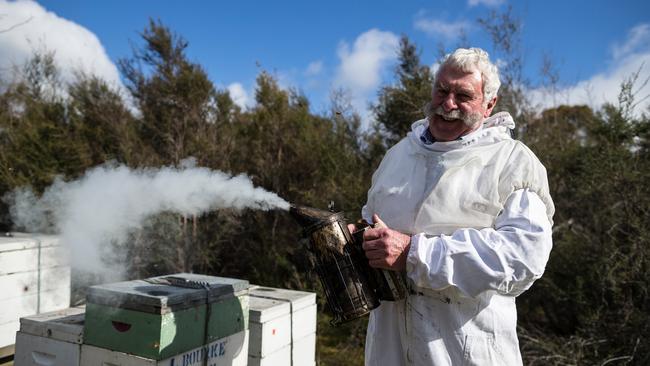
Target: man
pixel 465 211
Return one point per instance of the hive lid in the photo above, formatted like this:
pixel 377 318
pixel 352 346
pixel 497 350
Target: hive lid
pixel 63 325
pixel 261 310
pixel 218 286
pixel 298 299
pixel 166 293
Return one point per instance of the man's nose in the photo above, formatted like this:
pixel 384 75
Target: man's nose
pixel 449 103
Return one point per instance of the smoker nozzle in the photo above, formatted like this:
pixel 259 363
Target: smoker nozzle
pixel 308 216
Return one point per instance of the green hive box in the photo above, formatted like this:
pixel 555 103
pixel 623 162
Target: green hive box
pixel 163 316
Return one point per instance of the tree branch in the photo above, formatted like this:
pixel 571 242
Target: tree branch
pixel 16 25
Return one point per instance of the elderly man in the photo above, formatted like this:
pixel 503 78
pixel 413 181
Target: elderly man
pixel 465 211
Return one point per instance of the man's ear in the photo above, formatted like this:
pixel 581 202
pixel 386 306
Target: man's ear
pixel 490 106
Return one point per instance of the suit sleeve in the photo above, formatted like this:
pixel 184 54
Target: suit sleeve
pixel 507 258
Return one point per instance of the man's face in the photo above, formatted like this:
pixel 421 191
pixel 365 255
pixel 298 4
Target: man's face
pixel 457 104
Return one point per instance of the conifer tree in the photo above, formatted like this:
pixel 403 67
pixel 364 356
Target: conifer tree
pixel 101 122
pixel 174 96
pixel 402 104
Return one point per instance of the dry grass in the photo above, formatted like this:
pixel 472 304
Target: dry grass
pixel 342 345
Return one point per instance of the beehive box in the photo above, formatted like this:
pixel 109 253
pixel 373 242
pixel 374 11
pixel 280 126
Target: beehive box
pixel 56 339
pixel 278 358
pixel 303 321
pixel 34 278
pixel 52 339
pixel 270 332
pixel 155 319
pixel 303 351
pixel 228 351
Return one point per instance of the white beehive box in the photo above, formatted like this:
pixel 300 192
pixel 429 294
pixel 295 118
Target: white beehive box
pixel 52 339
pixel 56 339
pixel 303 321
pixel 280 357
pixel 303 351
pixel 34 278
pixel 270 331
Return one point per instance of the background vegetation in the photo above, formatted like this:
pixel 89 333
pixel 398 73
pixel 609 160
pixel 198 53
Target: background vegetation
pixel 591 307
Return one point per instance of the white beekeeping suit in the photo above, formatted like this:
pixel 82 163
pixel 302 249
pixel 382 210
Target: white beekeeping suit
pixel 479 214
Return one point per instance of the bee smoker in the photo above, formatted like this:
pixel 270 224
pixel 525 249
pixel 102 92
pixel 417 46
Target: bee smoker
pixel 352 287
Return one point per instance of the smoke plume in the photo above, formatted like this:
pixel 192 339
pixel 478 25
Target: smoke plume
pixel 109 202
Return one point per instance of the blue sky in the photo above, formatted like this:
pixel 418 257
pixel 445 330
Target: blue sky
pixel 319 46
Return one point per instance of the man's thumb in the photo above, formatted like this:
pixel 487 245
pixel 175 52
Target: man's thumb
pixel 377 221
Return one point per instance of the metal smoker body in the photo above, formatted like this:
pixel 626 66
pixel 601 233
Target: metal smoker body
pixel 352 287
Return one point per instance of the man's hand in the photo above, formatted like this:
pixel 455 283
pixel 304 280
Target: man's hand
pixel 386 248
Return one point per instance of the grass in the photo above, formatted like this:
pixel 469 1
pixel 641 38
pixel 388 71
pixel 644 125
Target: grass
pixel 342 345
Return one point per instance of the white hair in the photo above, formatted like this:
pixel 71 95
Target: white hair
pixel 472 59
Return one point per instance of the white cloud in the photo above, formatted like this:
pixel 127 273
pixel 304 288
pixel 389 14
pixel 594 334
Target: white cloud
pixel 239 95
pixel 314 68
pixel 434 67
pixel 76 49
pixel 362 65
pixel 440 28
pixel 639 37
pixel 629 57
pixel 485 2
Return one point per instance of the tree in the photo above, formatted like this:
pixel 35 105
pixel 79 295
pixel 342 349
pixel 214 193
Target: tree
pixel 175 97
pixel 306 159
pixel 591 305
pixel 505 28
pixel 101 122
pixel 34 128
pixel 37 141
pixel 400 105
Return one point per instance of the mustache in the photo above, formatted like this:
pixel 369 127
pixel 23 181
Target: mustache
pixel 455 114
pixel 468 119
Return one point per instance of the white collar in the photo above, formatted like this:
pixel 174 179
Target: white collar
pixel 494 128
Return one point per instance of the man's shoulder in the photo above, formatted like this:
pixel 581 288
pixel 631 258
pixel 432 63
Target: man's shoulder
pixel 521 159
pixel 401 148
pixel 521 151
pixel 402 145
pixel 396 157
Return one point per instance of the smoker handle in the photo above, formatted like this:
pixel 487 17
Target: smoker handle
pixel 389 285
pixel 362 226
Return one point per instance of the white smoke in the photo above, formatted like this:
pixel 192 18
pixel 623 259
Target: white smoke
pixel 108 203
